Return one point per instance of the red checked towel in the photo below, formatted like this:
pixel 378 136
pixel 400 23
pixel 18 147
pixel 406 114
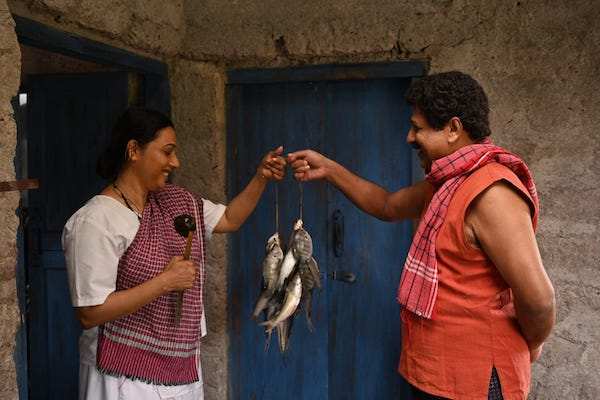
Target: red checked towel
pixel 419 282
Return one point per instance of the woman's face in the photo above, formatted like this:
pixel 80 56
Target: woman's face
pixel 157 159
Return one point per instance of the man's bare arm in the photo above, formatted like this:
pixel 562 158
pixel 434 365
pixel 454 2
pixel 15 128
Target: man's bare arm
pixel 406 203
pixel 501 222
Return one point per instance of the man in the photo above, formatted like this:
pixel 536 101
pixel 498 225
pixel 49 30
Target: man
pixel 477 303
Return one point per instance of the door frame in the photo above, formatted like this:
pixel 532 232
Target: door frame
pixel 156 94
pixel 329 72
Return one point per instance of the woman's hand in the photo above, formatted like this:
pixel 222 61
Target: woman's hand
pixel 272 166
pixel 309 165
pixel 179 274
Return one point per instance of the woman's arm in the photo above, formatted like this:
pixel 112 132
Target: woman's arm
pixel 178 275
pixel 272 167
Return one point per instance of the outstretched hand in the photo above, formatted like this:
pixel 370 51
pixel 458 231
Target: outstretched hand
pixel 272 166
pixel 309 165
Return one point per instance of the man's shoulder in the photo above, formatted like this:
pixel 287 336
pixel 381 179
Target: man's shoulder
pixel 494 170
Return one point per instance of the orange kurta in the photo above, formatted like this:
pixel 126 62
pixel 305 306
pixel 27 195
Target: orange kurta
pixel 473 326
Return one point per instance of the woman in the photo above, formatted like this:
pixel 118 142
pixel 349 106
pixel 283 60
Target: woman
pixel 126 270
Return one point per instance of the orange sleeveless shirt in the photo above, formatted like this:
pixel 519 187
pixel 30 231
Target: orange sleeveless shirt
pixel 473 327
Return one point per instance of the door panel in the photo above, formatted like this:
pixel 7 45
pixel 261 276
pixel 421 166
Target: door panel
pixel 355 350
pixel 290 119
pixel 69 118
pixel 364 333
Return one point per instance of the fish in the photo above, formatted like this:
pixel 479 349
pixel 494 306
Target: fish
pixel 302 245
pixel 283 330
pixel 271 265
pixel 290 260
pixel 271 310
pixel 293 292
pixel 313 267
pixel 310 276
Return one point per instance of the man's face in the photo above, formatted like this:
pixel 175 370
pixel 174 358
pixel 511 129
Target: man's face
pixel 430 143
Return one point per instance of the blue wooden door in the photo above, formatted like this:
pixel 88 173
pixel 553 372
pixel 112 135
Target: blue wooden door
pixel 354 350
pixel 69 119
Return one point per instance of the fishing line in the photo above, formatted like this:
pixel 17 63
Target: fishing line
pixel 276 208
pixel 301 196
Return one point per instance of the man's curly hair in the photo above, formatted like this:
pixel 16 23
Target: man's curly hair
pixel 443 96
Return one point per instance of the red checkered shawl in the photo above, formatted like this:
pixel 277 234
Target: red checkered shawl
pixel 419 282
pixel 147 345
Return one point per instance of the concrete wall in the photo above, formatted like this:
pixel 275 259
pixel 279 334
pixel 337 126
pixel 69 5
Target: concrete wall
pixel 199 116
pixel 539 63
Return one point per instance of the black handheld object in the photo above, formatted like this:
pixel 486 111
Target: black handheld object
pixel 185 225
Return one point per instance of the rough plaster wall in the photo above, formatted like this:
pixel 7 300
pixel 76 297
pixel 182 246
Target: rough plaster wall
pixel 9 311
pixel 198 113
pixel 153 27
pixel 539 62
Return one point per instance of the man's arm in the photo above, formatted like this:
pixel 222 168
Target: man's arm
pixel 500 220
pixel 406 203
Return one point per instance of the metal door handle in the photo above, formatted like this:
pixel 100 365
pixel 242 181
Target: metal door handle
pixel 338 233
pixel 344 276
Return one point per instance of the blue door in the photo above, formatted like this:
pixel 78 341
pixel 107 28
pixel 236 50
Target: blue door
pixel 354 351
pixel 69 119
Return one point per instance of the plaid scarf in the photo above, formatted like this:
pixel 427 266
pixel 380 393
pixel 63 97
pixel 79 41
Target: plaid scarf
pixel 419 282
pixel 147 345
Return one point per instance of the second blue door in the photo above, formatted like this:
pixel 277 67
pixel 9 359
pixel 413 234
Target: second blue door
pixel 354 351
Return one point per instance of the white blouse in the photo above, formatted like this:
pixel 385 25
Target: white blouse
pixel 93 240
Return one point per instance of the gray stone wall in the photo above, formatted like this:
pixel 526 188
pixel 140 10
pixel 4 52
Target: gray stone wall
pixel 9 310
pixel 199 117
pixel 153 27
pixel 539 63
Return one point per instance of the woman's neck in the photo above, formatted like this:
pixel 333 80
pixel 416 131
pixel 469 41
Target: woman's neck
pixel 132 188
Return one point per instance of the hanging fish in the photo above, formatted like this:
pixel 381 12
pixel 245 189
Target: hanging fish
pixel 310 276
pixel 302 244
pixel 290 260
pixel 293 292
pixel 270 270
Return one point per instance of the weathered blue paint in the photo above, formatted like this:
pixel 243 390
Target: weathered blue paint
pixel 69 119
pixel 354 352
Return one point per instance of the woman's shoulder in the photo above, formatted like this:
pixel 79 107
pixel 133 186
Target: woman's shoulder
pixel 100 211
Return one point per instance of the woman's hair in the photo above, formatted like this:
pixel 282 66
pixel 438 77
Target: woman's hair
pixel 452 94
pixel 139 124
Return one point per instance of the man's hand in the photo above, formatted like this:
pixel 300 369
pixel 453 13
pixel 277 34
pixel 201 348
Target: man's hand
pixel 309 165
pixel 272 166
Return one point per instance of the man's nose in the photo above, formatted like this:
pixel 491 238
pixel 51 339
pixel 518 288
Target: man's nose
pixel 174 161
pixel 410 137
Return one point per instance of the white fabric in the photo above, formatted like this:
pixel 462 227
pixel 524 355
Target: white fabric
pixel 96 386
pixel 94 239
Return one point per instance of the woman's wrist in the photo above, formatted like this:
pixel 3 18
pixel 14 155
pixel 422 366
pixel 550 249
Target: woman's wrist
pixel 260 178
pixel 162 283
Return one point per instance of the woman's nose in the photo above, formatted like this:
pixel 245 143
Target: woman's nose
pixel 410 137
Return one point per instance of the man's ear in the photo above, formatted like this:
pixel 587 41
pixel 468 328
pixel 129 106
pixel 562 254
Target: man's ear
pixel 455 130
